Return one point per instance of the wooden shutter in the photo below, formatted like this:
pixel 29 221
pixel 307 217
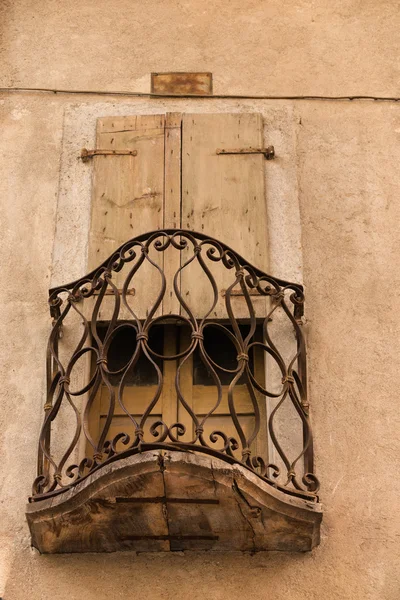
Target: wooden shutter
pixel 224 195
pixel 172 204
pixel 128 193
pixel 177 179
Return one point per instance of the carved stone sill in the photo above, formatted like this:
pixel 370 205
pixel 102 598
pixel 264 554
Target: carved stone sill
pixel 161 501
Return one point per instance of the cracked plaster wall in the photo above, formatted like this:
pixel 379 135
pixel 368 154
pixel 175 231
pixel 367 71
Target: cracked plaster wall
pixel 343 168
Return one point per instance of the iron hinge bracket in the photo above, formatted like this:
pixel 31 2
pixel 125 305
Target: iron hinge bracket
pixel 268 152
pixel 88 154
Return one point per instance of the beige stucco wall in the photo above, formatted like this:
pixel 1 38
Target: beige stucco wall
pixel 251 46
pixel 342 162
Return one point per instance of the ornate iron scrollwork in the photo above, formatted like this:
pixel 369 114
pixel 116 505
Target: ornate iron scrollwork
pixel 81 453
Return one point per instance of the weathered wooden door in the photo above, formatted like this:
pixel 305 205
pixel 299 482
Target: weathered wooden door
pixel 179 178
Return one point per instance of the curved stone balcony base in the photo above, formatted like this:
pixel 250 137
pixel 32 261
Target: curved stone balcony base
pixel 173 500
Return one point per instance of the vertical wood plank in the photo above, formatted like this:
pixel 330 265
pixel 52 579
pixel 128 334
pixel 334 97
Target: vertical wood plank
pixel 169 396
pixel 172 196
pixel 172 203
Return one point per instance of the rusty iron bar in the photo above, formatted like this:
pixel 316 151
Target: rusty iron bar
pixel 86 453
pixel 86 154
pixel 269 152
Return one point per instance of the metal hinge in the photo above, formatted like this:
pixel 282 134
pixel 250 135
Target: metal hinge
pixel 268 152
pixel 88 154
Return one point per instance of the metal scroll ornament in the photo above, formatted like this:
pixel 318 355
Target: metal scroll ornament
pixel 113 296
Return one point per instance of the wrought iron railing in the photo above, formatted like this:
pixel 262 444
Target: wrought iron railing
pixel 147 283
